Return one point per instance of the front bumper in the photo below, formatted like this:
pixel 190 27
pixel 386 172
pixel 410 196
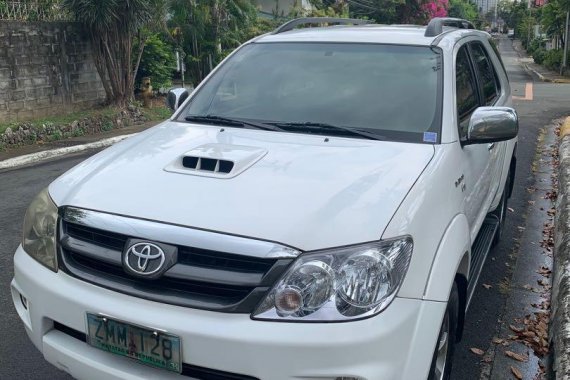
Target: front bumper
pixel 397 344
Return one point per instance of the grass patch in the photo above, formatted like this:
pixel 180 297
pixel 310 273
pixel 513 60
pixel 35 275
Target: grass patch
pixel 157 113
pixel 61 119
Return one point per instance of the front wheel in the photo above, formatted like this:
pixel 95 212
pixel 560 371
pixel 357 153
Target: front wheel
pixel 443 355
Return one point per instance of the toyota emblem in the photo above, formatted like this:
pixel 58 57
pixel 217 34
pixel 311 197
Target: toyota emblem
pixel 144 258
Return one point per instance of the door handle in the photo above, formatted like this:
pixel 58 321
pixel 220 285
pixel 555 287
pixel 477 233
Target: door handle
pixel 490 146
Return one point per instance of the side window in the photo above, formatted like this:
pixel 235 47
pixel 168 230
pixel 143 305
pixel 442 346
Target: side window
pixel 493 44
pixel 487 75
pixel 466 90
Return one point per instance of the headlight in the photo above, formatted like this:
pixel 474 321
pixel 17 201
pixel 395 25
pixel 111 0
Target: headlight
pixel 339 284
pixel 40 230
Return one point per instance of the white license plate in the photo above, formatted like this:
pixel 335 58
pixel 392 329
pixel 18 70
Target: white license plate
pixel 148 346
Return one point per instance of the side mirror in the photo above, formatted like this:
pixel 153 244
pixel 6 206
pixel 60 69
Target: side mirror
pixel 492 124
pixel 176 97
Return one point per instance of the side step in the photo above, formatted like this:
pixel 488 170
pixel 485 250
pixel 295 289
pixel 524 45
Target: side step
pixel 479 251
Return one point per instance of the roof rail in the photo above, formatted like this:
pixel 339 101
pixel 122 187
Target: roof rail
pixel 290 25
pixel 435 26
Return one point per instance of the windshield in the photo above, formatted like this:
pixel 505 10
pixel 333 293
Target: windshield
pixel 389 90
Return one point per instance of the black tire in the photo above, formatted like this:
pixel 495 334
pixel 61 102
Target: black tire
pixel 501 211
pixel 451 316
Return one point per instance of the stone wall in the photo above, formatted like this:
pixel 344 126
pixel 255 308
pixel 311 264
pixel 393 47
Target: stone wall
pixel 46 68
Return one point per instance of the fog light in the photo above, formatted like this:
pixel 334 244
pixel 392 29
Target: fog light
pixel 288 301
pixel 24 302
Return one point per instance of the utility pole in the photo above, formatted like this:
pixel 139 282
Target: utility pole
pixel 564 66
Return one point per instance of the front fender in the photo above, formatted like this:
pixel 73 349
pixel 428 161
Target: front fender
pixel 452 257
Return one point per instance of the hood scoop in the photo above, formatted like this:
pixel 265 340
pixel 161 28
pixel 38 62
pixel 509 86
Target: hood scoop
pixel 216 160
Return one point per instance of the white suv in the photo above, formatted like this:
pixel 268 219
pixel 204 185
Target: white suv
pixel 320 207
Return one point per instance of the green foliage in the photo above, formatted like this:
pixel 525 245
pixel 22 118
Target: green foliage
pixel 157 113
pixel 539 55
pixel 78 132
pixel 553 59
pixel 56 136
pixel 554 17
pixel 157 62
pixel 209 30
pixel 113 26
pixel 107 125
pixel 463 9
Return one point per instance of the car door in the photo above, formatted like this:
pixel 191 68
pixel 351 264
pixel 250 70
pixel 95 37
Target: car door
pixel 490 90
pixel 475 160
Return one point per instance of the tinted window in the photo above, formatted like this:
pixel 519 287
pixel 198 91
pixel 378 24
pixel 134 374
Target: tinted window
pixel 393 91
pixel 493 44
pixel 487 76
pixel 467 100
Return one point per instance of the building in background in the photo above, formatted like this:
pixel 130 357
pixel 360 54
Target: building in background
pixel 486 6
pixel 280 8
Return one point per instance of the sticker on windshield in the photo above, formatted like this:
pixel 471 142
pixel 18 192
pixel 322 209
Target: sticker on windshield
pixel 430 137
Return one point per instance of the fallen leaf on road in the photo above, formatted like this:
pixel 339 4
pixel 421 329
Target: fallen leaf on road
pixel 516 329
pixel 498 340
pixel 545 271
pixel 477 351
pixel 519 357
pixel 487 286
pixel 517 372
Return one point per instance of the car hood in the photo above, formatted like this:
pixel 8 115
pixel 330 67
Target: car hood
pixel 305 191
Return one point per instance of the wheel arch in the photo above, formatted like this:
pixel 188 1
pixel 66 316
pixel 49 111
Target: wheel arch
pixel 452 258
pixel 451 265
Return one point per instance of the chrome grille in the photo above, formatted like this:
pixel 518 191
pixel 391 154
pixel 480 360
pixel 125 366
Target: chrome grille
pixel 201 278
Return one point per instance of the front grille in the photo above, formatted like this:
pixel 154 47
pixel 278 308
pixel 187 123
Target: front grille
pixel 188 370
pixel 201 278
pixel 95 236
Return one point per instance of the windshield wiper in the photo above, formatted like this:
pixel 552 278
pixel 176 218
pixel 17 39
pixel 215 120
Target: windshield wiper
pixel 324 127
pixel 215 119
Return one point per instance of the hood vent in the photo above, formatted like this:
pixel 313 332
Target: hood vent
pixel 216 160
pixel 207 164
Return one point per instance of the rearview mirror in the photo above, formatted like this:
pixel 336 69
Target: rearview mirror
pixel 492 124
pixel 176 97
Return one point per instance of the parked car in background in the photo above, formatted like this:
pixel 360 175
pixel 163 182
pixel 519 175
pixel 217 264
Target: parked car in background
pixel 321 206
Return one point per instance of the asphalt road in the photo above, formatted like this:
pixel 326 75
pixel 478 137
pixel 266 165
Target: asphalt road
pixel 19 359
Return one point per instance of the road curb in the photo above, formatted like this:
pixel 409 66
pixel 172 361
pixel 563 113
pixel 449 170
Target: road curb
pixel 560 322
pixel 542 77
pixel 38 157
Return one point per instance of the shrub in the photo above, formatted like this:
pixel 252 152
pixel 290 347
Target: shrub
pixel 539 55
pixel 157 62
pixel 553 59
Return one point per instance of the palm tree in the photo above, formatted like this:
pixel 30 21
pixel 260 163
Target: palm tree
pixel 210 29
pixel 114 26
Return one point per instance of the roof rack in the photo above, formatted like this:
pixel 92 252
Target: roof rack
pixel 290 25
pixel 435 26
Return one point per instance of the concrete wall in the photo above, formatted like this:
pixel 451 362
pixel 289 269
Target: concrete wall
pixel 46 68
